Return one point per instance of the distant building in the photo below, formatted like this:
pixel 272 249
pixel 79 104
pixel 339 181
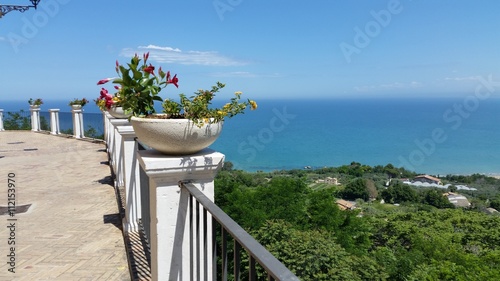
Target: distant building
pixel 328 180
pixel 457 199
pixel 491 211
pixel 332 180
pixel 346 205
pixel 427 179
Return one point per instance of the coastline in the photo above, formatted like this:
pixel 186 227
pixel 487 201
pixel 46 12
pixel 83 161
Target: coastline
pixel 284 135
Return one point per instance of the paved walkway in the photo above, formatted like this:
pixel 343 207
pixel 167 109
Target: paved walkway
pixel 72 229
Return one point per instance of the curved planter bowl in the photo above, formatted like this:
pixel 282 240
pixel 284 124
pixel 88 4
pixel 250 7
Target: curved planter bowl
pixel 118 112
pixel 175 136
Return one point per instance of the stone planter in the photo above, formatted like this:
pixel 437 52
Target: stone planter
pixel 76 106
pixel 175 136
pixel 118 112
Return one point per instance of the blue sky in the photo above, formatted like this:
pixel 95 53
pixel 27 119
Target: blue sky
pixel 267 49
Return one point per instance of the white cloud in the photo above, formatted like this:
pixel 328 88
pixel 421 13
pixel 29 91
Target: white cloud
pixel 175 55
pixel 467 78
pixel 244 74
pixel 391 86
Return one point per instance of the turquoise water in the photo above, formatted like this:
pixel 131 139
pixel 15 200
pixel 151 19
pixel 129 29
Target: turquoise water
pixel 435 136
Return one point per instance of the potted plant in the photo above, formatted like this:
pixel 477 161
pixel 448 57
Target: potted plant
pixel 111 104
pixel 185 126
pixel 35 103
pixel 78 103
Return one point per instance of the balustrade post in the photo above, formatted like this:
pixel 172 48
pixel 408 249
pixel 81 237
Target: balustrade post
pixel 131 179
pixel 170 213
pixel 35 118
pixel 107 130
pixel 78 129
pixel 1 120
pixel 116 153
pixel 54 121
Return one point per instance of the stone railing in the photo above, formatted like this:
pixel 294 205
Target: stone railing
pixel 77 118
pixel 170 199
pixel 1 120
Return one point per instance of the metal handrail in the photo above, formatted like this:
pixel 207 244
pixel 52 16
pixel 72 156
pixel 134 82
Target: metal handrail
pixel 274 268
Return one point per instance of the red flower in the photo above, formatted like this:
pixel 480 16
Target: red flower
pixel 104 81
pixel 104 93
pixel 174 80
pixel 109 103
pixel 149 69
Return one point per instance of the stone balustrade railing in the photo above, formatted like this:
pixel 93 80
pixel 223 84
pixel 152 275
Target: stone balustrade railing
pixel 171 197
pixel 180 249
pixel 77 116
pixel 1 120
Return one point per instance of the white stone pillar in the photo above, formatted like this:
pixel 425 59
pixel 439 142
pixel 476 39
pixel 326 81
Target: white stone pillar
pixel 1 120
pixel 35 118
pixel 169 239
pixel 131 179
pixel 54 122
pixel 116 152
pixel 78 129
pixel 109 130
pixel 104 125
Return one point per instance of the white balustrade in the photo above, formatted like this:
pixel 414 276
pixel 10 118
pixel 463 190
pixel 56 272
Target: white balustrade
pixel 78 129
pixel 1 120
pixel 54 121
pixel 35 118
pixel 169 226
pixel 131 179
pixel 107 129
pixel 166 209
pixel 116 150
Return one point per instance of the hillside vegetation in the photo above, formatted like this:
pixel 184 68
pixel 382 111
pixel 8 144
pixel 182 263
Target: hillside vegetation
pixel 417 235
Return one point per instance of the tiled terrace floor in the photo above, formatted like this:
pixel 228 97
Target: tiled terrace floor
pixel 72 231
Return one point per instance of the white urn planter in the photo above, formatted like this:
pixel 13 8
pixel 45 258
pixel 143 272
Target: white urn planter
pixel 175 136
pixel 118 112
pixel 76 106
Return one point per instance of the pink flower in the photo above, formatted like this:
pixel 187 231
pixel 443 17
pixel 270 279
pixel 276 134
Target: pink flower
pixel 104 81
pixel 104 93
pixel 109 103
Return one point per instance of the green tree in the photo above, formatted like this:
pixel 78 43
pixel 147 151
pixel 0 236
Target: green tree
pixel 495 204
pixel 314 255
pixel 355 189
pixel 17 121
pixel 399 193
pixel 322 211
pixel 435 198
pixel 91 132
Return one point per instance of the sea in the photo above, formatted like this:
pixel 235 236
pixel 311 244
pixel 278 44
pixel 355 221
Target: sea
pixel 435 136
